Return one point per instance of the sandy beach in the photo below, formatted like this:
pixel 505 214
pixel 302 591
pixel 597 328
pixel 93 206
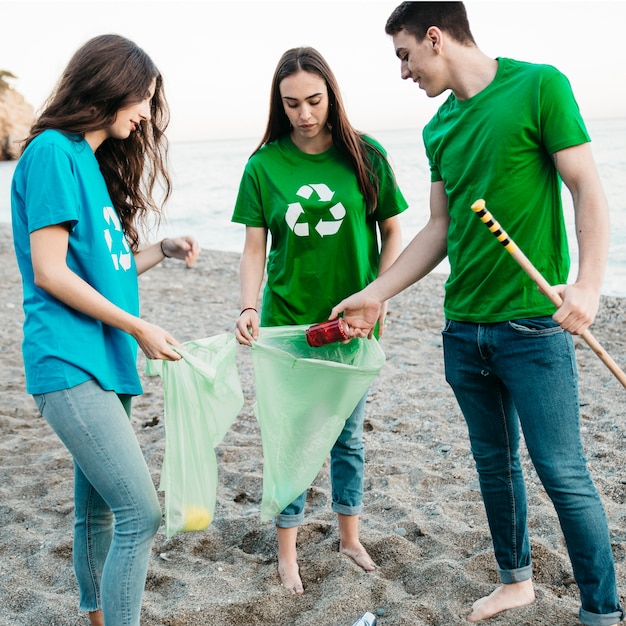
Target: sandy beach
pixel 423 519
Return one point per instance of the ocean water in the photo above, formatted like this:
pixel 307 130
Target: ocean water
pixel 206 177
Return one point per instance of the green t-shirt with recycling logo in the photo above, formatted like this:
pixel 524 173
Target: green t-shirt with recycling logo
pixel 324 246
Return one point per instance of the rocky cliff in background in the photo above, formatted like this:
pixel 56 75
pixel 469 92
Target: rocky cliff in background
pixel 16 118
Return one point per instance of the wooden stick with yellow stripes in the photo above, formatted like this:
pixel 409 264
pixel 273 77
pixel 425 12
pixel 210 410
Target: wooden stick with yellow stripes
pixel 485 216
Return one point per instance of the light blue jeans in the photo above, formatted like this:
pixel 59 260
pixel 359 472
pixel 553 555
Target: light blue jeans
pixel 523 372
pixel 117 512
pixel 347 460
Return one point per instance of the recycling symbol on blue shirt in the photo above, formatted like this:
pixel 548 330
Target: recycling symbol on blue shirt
pixel 116 240
pixel 324 227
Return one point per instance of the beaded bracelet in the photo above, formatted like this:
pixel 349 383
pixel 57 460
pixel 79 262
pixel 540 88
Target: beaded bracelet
pixel 248 308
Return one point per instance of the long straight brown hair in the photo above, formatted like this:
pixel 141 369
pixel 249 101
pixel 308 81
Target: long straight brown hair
pixel 107 73
pixel 348 140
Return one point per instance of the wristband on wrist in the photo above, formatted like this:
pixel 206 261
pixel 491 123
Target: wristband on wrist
pixel 248 308
pixel 167 256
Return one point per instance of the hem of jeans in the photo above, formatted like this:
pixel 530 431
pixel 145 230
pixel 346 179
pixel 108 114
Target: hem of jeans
pixel 289 521
pixel 345 509
pixel 510 576
pixel 600 619
pixel 91 609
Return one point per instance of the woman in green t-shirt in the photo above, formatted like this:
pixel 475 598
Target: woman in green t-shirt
pixel 326 193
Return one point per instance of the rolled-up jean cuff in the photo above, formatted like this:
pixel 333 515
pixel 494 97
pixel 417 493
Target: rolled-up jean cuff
pixel 597 619
pixel 344 509
pixel 510 576
pixel 289 521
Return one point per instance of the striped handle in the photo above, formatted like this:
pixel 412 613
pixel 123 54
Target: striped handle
pixel 500 234
pixel 485 216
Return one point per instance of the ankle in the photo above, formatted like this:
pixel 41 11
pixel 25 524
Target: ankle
pixel 95 618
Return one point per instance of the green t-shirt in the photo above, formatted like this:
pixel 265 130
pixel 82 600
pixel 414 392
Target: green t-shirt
pixel 324 245
pixel 497 146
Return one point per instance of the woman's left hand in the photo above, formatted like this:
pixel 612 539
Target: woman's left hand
pixel 185 248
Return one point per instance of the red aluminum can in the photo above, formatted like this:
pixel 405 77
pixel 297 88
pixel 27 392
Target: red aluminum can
pixel 327 332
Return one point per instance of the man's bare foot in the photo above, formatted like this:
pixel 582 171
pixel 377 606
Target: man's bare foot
pixel 290 576
pixel 359 555
pixel 502 598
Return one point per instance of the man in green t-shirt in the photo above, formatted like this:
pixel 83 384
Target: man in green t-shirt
pixel 509 132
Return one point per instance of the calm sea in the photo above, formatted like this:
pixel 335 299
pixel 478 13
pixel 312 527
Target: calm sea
pixel 206 178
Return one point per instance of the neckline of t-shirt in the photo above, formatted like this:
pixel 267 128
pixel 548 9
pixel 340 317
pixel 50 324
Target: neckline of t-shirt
pixel 317 156
pixel 484 93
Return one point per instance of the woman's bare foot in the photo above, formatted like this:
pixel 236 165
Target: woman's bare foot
pixel 289 573
pixel 359 555
pixel 288 569
pixel 349 543
pixel 502 598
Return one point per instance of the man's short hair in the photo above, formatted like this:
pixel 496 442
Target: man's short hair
pixel 417 17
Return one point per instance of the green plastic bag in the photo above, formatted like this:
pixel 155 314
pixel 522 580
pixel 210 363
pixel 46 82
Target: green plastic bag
pixel 304 395
pixel 202 397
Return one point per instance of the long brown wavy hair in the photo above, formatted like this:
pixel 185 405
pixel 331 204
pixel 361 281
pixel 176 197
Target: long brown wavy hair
pixel 106 74
pixel 348 140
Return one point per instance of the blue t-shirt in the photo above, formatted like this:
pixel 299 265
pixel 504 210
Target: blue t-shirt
pixel 56 181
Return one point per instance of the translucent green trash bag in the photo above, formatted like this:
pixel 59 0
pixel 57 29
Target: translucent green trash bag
pixel 303 397
pixel 202 397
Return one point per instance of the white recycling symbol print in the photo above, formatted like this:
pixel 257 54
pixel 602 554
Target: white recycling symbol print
pixel 121 254
pixel 323 227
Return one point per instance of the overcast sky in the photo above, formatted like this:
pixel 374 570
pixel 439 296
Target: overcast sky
pixel 217 58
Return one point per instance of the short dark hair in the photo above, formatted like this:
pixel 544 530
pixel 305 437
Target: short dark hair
pixel 417 17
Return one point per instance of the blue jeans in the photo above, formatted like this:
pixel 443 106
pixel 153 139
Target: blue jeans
pixel 117 512
pixel 347 459
pixel 523 372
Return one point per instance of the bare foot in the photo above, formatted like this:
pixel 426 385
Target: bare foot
pixel 349 543
pixel 502 598
pixel 288 569
pixel 289 573
pixel 359 555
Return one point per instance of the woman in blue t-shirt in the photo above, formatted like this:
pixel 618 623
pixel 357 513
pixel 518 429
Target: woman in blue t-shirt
pixel 81 192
